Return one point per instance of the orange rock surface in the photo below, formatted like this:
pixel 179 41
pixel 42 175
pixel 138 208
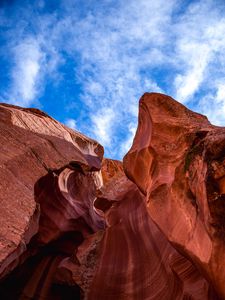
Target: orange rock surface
pixel 33 148
pixel 74 226
pixel 177 161
pixel 134 259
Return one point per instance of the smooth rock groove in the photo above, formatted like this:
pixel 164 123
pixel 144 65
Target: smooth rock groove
pixel 74 226
pixel 178 161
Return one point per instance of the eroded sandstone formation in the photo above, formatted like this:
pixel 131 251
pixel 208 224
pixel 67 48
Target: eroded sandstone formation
pixel 74 226
pixel 39 160
pixel 177 161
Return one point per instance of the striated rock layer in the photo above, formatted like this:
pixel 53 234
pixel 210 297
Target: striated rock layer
pixel 74 226
pixel 39 155
pixel 177 160
pixel 134 259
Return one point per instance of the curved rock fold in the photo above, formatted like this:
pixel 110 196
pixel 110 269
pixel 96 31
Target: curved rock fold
pixel 75 225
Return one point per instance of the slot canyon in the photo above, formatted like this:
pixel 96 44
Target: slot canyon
pixel 77 225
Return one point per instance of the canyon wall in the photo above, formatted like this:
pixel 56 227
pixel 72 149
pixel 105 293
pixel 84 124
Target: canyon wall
pixel 75 225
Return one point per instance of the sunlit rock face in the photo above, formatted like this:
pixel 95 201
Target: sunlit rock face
pixel 178 161
pixel 74 226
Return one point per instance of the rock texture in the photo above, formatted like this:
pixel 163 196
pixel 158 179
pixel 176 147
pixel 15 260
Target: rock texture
pixel 34 150
pixel 74 226
pixel 134 259
pixel 177 161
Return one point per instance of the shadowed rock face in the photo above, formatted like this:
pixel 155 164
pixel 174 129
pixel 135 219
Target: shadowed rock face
pixel 177 160
pixel 73 226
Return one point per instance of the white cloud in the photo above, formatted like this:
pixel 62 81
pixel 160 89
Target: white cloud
pixel 213 104
pixel 116 46
pixel 127 143
pixel 122 50
pixel 71 123
pixel 32 57
pixel 220 93
pixel 28 59
pixel 102 123
pixel 197 57
pixel 200 38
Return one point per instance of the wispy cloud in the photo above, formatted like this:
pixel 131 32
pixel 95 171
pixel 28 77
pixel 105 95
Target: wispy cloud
pixel 102 123
pixel 127 143
pixel 71 123
pixel 213 104
pixel 196 57
pixel 119 51
pixel 32 53
pixel 117 45
pixel 200 38
pixel 28 59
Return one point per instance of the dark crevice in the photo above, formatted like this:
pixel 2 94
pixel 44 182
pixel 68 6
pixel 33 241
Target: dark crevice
pixel 32 281
pixel 196 148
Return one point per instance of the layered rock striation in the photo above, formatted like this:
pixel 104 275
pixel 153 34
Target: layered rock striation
pixel 42 164
pixel 177 161
pixel 75 225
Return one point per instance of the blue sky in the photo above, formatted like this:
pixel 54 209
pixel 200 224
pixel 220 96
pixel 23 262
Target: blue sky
pixel 86 63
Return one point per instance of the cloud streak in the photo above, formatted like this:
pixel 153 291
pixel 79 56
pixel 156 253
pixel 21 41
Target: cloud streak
pixel 28 59
pixel 118 52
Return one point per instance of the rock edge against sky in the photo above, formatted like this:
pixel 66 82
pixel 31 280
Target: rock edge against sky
pixel 75 225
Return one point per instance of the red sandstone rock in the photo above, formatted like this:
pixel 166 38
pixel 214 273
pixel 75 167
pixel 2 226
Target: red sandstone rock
pixel 131 259
pixel 177 161
pixel 97 235
pixel 111 169
pixel 34 145
pixel 66 200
